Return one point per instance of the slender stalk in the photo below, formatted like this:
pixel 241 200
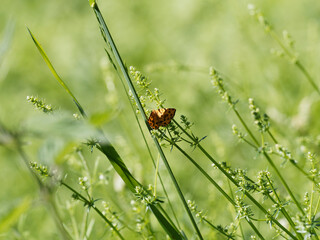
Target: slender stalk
pixel 296 62
pixel 283 182
pixel 231 193
pixel 268 158
pixel 245 125
pixel 84 199
pixel 177 187
pixel 310 209
pixel 215 184
pixel 317 207
pixel 255 229
pixel 108 38
pixel 44 189
pixel 293 162
pixel 272 137
pixel 206 174
pixel 217 229
pixel 305 72
pixel 150 154
pixel 284 212
pixel 236 184
pixel 245 192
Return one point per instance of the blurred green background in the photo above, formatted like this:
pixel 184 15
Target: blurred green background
pixel 156 38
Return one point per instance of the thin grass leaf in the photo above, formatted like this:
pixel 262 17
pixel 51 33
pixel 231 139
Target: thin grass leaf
pixel 172 232
pixel 55 74
pixel 107 149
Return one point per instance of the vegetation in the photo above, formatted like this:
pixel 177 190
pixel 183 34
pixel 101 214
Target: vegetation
pixel 239 160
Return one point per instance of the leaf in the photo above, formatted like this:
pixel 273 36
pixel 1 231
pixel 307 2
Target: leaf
pixel 55 74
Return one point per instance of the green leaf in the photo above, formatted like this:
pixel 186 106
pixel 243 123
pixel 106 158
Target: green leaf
pixel 172 232
pixel 55 74
pixel 92 3
pixel 116 161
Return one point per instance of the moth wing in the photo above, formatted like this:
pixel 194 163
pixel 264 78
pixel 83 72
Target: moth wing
pixel 153 120
pixel 168 116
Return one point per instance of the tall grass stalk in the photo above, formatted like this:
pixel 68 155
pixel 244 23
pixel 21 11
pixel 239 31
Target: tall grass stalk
pixel 216 185
pixel 286 49
pixel 108 38
pixel 155 165
pixel 217 81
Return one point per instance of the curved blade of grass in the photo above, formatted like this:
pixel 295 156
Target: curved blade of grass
pixel 119 166
pixel 107 149
pixel 55 74
pixel 174 234
pixel 109 41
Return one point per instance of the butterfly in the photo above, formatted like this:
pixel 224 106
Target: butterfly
pixel 161 117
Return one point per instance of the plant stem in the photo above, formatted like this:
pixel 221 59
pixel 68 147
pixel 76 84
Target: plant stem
pixel 214 183
pixel 235 183
pixel 44 190
pixel 296 62
pixel 269 160
pixel 283 182
pixel 206 174
pixel 255 229
pixel 293 162
pixel 108 38
pixel 245 125
pixel 273 138
pixel 284 212
pixel 246 193
pixel 152 159
pixel 84 199
pixel 217 229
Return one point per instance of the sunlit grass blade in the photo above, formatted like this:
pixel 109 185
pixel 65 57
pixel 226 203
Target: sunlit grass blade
pixel 55 74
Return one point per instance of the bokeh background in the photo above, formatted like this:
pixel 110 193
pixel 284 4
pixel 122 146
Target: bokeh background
pixel 173 43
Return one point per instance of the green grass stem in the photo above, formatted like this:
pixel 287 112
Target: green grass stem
pixel 89 203
pixel 107 36
pixel 216 185
pixel 296 62
pixel 264 153
pixel 44 190
pixel 252 199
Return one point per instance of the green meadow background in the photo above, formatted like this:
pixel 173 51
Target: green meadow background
pixel 173 43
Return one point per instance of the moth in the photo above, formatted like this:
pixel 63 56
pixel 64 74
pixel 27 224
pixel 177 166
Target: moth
pixel 161 117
